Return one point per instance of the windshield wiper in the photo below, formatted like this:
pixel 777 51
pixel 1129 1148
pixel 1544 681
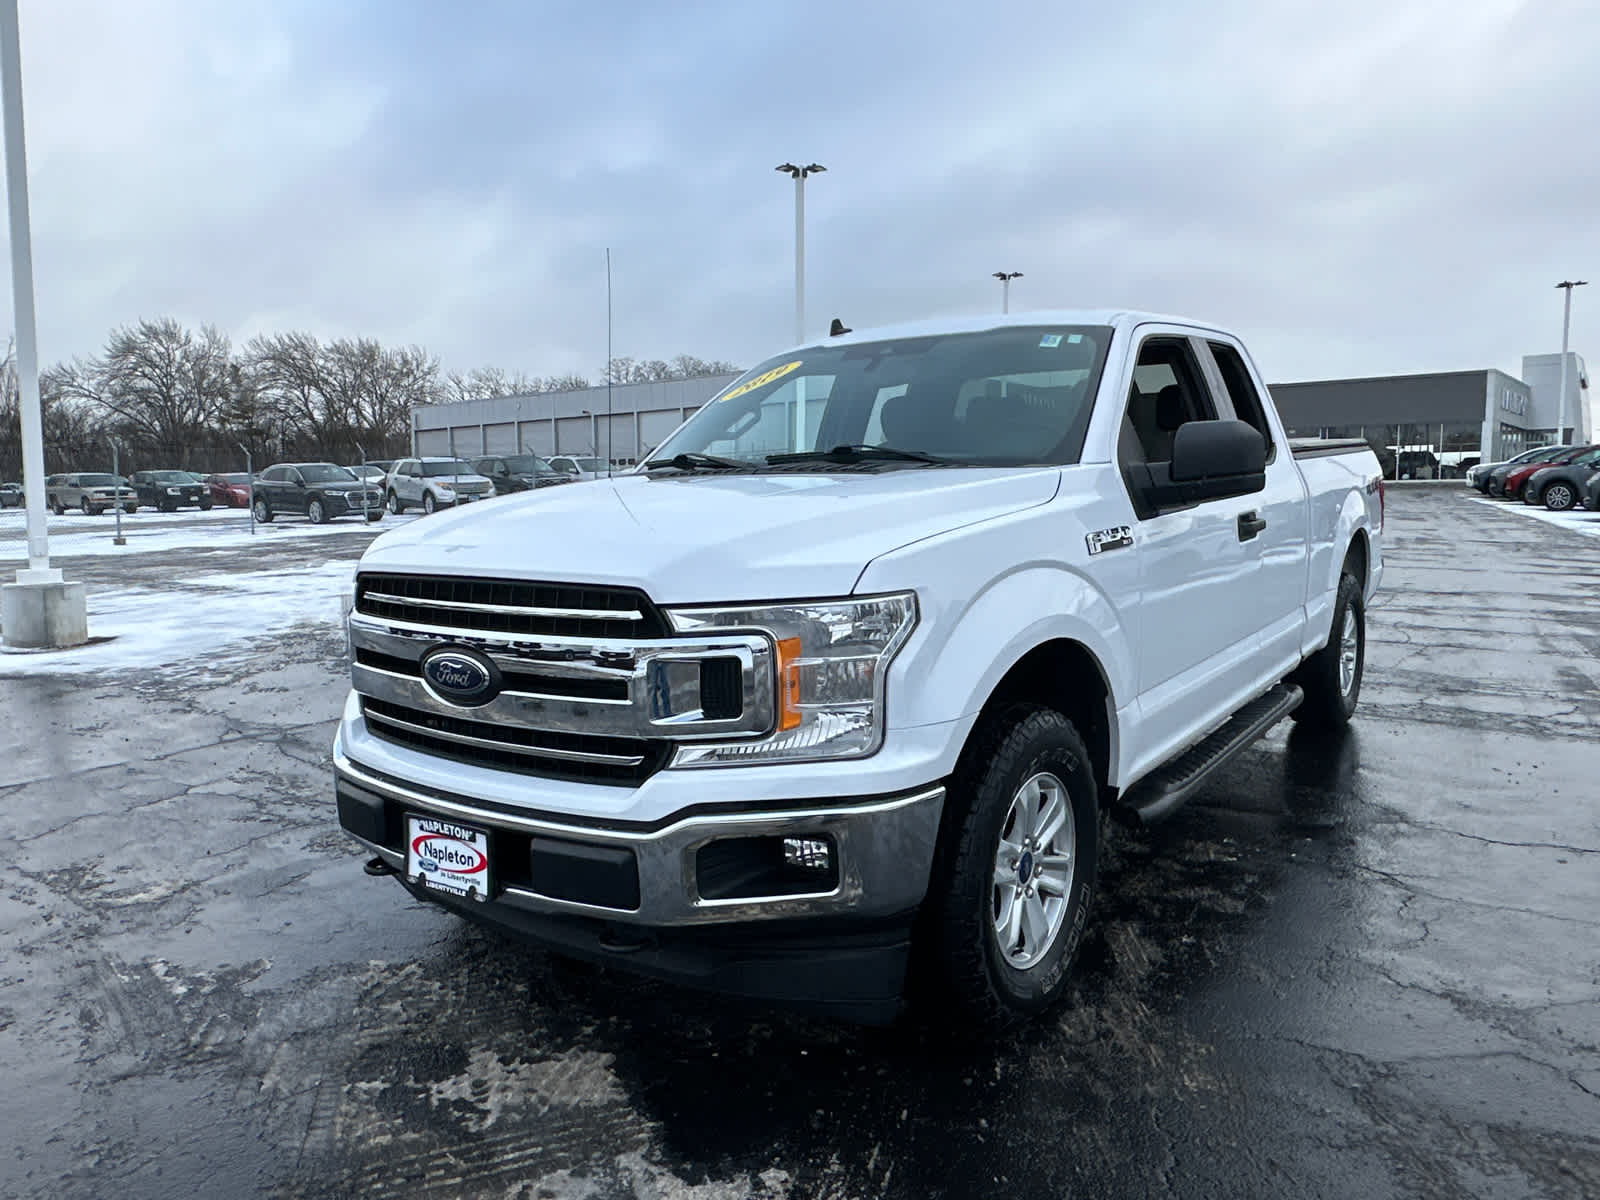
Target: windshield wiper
pixel 855 454
pixel 693 460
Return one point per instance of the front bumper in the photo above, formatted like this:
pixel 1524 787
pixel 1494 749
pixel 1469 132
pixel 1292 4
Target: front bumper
pixel 843 949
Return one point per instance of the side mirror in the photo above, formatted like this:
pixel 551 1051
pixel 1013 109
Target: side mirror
pixel 1210 460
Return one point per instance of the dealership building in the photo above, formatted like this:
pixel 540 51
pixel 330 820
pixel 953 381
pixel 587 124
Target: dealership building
pixel 1420 426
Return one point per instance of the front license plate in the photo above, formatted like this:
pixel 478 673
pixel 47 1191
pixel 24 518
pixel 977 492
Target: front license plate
pixel 448 855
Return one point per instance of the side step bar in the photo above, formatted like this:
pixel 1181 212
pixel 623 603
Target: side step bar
pixel 1164 790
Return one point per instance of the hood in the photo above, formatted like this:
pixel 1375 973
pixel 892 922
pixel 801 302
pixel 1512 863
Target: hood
pixel 711 538
pixel 454 479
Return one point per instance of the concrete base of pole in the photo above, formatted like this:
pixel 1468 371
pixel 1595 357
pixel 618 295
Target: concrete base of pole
pixel 44 616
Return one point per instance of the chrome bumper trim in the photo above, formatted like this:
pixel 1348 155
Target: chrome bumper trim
pixel 885 853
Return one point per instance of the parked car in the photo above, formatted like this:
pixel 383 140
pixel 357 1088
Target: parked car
pixel 434 483
pixel 372 472
pixel 1478 476
pixel 88 493
pixel 1510 485
pixel 318 491
pixel 579 467
pixel 1589 494
pixel 518 472
pixel 230 491
pixel 1558 488
pixel 11 495
pixel 775 715
pixel 170 490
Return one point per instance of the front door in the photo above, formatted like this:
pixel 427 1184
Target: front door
pixel 1198 623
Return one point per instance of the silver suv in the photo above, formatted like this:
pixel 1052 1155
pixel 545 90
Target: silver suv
pixel 88 493
pixel 434 483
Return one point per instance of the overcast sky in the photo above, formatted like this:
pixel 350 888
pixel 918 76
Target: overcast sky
pixel 1359 188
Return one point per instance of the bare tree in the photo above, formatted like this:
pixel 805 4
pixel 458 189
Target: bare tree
pixel 164 384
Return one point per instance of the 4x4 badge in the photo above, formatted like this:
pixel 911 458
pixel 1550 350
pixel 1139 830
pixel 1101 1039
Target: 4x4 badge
pixel 1109 539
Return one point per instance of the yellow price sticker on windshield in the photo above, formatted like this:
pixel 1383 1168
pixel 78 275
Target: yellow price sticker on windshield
pixel 760 380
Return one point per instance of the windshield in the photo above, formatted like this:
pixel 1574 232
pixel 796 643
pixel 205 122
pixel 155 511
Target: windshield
pixel 527 464
pixel 453 466
pixel 1002 397
pixel 326 473
pixel 97 481
pixel 165 477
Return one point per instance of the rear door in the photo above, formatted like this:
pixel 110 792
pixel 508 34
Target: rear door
pixel 1283 543
pixel 1199 625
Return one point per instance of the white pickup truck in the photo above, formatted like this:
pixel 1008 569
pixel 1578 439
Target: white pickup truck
pixel 833 693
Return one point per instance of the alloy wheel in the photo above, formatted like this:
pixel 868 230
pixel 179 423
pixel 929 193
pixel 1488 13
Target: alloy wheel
pixel 1033 869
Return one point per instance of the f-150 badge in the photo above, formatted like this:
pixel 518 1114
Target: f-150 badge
pixel 1109 539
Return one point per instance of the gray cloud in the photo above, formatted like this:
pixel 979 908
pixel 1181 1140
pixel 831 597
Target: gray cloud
pixel 1364 189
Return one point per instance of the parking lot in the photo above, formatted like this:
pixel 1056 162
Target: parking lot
pixel 1366 967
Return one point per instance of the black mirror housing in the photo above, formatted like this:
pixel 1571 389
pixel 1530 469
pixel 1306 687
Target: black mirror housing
pixel 1210 460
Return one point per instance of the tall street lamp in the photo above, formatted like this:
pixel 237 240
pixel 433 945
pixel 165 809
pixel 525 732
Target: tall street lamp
pixel 40 609
pixel 1566 327
pixel 1005 278
pixel 798 174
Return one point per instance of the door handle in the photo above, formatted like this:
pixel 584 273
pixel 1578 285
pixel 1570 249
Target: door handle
pixel 1250 525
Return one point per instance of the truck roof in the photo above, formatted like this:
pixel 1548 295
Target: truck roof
pixel 1120 318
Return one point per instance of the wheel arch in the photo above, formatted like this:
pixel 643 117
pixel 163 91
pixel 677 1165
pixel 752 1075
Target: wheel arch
pixel 1064 675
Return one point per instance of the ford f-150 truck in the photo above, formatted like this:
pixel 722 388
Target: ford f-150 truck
pixel 827 700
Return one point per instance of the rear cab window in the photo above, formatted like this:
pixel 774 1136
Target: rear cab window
pixel 1242 392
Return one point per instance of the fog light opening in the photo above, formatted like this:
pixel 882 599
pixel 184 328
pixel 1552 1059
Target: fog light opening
pixel 808 854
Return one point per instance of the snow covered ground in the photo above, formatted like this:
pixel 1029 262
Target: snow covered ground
pixel 1576 519
pixel 230 589
pixel 77 536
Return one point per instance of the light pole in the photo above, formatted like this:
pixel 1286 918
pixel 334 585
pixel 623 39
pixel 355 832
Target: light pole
pixel 1566 326
pixel 41 609
pixel 1005 278
pixel 798 174
pixel 116 493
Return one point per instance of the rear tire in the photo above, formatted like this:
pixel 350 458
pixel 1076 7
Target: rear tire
pixel 992 951
pixel 1331 678
pixel 1559 496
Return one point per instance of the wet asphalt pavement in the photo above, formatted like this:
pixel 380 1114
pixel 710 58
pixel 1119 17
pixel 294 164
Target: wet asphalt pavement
pixel 1366 967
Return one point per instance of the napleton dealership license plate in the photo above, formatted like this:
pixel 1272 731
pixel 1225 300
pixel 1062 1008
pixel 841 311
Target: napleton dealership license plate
pixel 448 856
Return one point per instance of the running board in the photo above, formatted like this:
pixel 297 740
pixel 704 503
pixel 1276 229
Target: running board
pixel 1164 790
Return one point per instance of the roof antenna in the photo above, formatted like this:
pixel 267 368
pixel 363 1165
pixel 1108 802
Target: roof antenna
pixel 837 328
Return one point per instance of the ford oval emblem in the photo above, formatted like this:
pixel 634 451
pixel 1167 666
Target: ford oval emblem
pixel 462 677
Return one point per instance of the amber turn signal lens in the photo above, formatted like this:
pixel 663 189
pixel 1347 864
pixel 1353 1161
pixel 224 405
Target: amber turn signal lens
pixel 789 684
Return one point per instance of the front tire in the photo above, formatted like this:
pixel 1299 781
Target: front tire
pixel 1015 871
pixel 85 507
pixel 396 505
pixel 317 512
pixel 375 516
pixel 1331 678
pixel 429 505
pixel 1559 497
pixel 263 512
pixel 58 508
pixel 205 506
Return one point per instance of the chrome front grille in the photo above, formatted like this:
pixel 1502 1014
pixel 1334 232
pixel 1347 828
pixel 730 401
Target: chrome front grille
pixel 589 686
pixel 507 606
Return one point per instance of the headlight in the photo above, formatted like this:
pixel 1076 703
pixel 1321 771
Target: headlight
pixel 174 491
pixel 832 657
pixel 444 487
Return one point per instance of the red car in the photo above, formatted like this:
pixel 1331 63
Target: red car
pixel 1515 480
pixel 230 490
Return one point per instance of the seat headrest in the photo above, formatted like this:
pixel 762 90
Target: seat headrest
pixel 1170 410
pixel 910 423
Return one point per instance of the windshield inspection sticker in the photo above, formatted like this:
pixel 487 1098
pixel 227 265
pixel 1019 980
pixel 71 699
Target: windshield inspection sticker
pixel 1050 341
pixel 1102 540
pixel 760 380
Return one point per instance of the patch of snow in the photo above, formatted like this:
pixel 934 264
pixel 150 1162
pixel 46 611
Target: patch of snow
pixel 200 617
pixel 219 529
pixel 1577 519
